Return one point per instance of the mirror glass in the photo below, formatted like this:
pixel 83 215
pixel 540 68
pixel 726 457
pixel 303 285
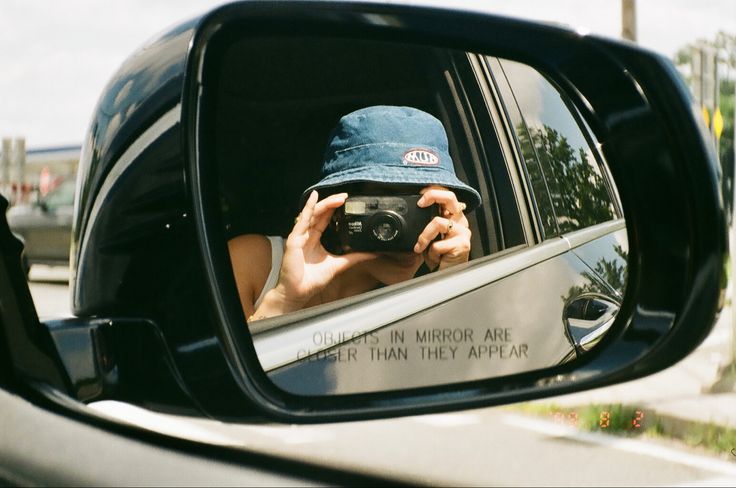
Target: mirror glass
pixel 465 224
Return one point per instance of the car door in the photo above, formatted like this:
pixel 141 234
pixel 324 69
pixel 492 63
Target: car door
pixel 572 190
pixel 54 230
pixel 554 295
pixel 46 226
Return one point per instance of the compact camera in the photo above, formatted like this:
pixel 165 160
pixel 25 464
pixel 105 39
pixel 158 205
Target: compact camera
pixel 380 223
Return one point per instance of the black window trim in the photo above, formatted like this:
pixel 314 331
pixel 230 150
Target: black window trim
pixel 526 204
pixel 463 118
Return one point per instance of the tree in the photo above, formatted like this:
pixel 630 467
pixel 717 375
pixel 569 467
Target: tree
pixel 724 45
pixel 577 191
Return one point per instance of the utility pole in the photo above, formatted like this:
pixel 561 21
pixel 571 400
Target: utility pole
pixel 628 20
pixel 20 165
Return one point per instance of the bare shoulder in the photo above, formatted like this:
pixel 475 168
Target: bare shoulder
pixel 254 243
pixel 250 255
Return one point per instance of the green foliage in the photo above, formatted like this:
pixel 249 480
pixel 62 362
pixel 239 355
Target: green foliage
pixel 711 436
pixel 566 178
pixel 619 419
pixel 684 55
pixel 616 418
pixel 726 146
pixel 724 46
pixel 612 271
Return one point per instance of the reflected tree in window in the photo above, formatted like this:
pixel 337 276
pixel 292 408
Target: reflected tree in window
pixel 577 190
pixel 612 271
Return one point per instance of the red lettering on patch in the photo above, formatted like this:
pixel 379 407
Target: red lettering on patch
pixel 421 157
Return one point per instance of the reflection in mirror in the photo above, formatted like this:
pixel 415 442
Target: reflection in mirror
pixel 464 225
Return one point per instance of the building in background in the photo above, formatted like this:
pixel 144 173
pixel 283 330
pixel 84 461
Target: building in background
pixel 27 175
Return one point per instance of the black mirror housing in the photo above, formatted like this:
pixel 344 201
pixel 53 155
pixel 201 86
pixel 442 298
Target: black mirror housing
pixel 147 243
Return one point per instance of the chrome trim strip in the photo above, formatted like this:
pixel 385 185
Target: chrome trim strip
pixel 583 236
pixel 279 346
pixel 593 338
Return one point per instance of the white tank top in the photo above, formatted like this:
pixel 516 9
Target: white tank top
pixel 277 255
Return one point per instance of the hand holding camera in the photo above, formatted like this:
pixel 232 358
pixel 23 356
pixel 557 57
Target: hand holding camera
pixel 307 267
pixel 454 246
pixel 431 223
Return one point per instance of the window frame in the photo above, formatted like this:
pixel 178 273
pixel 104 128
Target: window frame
pixel 584 129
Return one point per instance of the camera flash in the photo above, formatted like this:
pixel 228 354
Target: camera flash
pixel 355 207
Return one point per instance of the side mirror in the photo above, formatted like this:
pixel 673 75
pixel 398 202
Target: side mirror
pixel 313 364
pixel 606 249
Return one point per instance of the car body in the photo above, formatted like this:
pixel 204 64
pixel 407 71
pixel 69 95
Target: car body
pixel 45 226
pixel 157 321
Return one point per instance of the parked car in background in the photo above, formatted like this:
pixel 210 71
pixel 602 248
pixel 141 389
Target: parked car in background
pixel 45 226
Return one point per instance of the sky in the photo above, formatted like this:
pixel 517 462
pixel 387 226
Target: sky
pixel 56 56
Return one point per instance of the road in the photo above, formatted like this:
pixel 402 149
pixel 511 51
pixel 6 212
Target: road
pixel 50 291
pixel 478 447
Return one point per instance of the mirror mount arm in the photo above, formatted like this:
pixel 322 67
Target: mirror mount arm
pixel 120 359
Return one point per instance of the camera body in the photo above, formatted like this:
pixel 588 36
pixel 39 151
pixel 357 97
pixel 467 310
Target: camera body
pixel 386 223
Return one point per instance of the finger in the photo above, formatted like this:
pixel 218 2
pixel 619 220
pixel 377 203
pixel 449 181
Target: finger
pixel 460 220
pixel 451 207
pixel 446 198
pixel 451 248
pixel 329 203
pixel 457 215
pixel 432 262
pixel 324 210
pixel 302 223
pixel 437 226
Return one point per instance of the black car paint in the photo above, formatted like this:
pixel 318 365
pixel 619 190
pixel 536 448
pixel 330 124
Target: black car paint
pixel 677 240
pixel 135 255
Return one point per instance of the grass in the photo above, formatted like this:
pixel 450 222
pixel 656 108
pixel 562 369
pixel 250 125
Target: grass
pixel 624 420
pixel 614 418
pixel 712 437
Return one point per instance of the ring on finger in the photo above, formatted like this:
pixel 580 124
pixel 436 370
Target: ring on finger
pixel 449 226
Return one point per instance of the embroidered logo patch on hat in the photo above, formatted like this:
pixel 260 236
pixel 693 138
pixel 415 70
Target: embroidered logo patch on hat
pixel 390 145
pixel 421 157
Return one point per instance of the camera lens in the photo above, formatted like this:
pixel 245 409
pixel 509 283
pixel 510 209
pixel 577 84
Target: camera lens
pixel 385 227
pixel 385 231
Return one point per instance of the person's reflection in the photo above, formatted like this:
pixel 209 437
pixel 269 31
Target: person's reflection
pixel 383 149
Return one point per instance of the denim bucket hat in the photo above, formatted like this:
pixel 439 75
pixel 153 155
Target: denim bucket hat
pixel 388 144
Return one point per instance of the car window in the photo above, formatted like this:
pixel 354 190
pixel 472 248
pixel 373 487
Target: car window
pixel 569 187
pixel 61 196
